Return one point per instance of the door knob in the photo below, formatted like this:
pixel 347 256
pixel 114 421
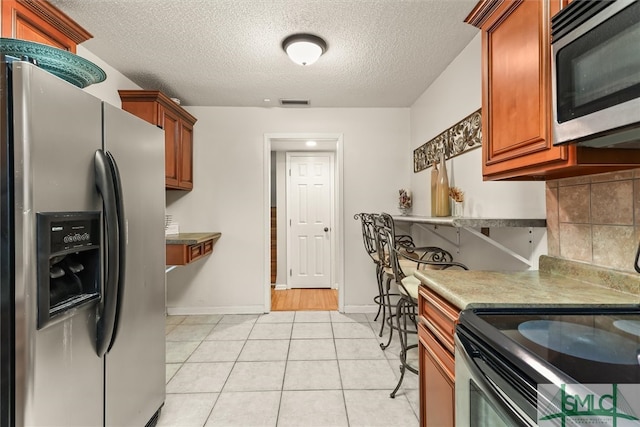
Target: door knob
pixel 326 229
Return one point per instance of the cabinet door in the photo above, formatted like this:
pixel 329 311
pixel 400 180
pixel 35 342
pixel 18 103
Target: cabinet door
pixel 171 126
pixel 41 22
pixel 437 389
pixel 158 109
pixel 516 88
pixel 517 112
pixel 440 315
pixel 27 29
pixel 185 171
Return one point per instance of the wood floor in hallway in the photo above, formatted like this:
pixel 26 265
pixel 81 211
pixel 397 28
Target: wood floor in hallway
pixel 304 299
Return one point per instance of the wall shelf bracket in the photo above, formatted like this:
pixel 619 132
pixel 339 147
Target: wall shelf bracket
pixel 500 246
pixel 479 227
pixel 443 237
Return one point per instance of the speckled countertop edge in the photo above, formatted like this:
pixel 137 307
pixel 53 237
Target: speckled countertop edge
pixel 558 282
pixel 190 238
pixel 472 222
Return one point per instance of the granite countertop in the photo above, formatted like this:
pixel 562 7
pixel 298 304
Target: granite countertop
pixel 558 282
pixel 472 222
pixel 190 238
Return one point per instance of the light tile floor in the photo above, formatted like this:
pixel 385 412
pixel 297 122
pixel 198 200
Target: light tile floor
pixel 313 368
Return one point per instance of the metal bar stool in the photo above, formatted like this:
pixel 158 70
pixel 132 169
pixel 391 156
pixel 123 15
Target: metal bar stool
pixel 389 300
pixel 385 233
pixel 374 249
pixel 368 237
pixel 406 307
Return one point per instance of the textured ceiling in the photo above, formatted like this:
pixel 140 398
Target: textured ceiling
pixel 381 53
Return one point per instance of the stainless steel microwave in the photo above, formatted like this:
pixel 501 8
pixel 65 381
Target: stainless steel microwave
pixel 596 73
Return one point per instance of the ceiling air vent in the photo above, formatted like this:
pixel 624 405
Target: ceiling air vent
pixel 294 102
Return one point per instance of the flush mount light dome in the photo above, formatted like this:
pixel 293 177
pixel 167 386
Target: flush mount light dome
pixel 304 49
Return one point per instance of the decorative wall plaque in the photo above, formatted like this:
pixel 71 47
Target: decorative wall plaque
pixel 463 136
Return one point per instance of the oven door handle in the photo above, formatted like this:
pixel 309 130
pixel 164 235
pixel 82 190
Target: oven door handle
pixel 467 356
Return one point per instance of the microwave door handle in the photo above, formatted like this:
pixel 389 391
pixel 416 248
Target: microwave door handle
pixel 106 319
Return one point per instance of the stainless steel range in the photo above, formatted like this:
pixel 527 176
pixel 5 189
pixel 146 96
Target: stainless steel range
pixel 548 366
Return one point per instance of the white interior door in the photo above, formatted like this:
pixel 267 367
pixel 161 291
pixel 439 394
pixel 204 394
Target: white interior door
pixel 309 211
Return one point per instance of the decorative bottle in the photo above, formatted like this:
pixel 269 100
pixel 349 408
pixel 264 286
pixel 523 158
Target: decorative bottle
pixel 443 207
pixel 434 187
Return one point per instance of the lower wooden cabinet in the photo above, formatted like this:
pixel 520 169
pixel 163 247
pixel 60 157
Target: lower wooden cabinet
pixel 436 330
pixel 187 248
pixel 437 377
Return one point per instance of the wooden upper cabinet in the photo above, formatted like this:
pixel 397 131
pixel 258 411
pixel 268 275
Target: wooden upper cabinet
pixel 517 112
pixel 41 22
pixel 186 156
pixel 157 108
pixel 516 93
pixel 171 125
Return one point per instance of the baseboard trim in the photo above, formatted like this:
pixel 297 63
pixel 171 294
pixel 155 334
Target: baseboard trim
pixel 369 308
pixel 281 287
pixel 252 309
pixel 238 309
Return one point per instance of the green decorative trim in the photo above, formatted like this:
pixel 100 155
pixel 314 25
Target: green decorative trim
pixel 66 65
pixel 463 136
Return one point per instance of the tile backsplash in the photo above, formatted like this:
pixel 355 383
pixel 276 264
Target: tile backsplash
pixel 595 218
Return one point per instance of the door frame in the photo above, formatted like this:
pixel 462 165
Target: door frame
pixel 332 240
pixel 336 140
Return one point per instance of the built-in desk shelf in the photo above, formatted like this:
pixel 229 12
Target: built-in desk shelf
pixel 464 222
pixel 480 227
pixel 185 248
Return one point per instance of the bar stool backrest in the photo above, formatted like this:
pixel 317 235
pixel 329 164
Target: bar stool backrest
pixel 426 257
pixel 368 234
pixel 384 233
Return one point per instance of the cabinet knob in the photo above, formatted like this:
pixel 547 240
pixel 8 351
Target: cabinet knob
pixel 326 229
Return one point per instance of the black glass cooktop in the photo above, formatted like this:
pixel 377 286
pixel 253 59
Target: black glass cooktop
pixel 586 345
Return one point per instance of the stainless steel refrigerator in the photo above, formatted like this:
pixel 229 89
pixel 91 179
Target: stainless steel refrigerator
pixel 82 294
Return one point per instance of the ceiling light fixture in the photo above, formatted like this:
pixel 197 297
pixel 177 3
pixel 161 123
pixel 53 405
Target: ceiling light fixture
pixel 311 143
pixel 304 49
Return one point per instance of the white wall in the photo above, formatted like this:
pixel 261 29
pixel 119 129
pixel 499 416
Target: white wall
pixel 378 148
pixel 108 89
pixel 454 95
pixel 228 197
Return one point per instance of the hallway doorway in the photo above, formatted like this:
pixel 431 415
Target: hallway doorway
pixel 278 266
pixel 309 219
pixel 304 299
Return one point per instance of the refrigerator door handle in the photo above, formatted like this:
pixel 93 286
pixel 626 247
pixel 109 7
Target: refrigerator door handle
pixel 122 243
pixel 109 187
